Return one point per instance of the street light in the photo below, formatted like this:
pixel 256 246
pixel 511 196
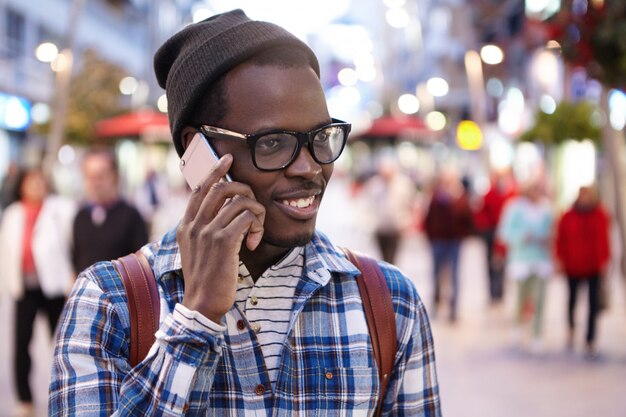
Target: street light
pixel 61 63
pixel 47 52
pixel 408 104
pixel 128 86
pixel 437 87
pixel 491 54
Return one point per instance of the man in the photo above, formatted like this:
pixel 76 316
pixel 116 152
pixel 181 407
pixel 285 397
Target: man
pixel 448 221
pixel 260 314
pixel 107 227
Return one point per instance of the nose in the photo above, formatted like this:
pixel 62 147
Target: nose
pixel 304 165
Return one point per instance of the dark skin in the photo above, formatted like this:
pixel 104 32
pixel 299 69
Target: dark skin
pixel 260 216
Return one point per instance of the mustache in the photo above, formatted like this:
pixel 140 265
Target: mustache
pixel 306 185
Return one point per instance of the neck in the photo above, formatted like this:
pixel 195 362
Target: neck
pixel 264 256
pixel 32 202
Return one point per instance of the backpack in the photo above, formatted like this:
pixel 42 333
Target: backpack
pixel 143 307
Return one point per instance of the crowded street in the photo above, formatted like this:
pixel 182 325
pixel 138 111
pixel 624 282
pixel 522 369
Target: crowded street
pixel 481 373
pixel 186 186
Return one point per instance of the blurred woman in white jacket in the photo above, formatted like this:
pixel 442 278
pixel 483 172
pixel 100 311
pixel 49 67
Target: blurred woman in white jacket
pixel 37 272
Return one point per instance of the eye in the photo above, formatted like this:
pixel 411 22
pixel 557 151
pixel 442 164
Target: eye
pixel 273 143
pixel 328 135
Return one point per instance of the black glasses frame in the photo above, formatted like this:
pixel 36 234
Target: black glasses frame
pixel 304 138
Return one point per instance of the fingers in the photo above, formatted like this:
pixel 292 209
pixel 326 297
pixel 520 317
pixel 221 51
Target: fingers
pixel 226 208
pixel 247 217
pixel 221 195
pixel 247 225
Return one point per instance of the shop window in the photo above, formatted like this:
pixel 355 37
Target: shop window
pixel 15 33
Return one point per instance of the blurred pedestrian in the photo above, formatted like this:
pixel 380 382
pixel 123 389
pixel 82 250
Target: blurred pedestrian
pixel 526 228
pixel 151 195
pixel 486 220
pixel 37 272
pixel 447 222
pixel 583 253
pixel 390 196
pixel 107 226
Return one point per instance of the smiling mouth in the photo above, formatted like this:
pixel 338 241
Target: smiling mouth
pixel 300 202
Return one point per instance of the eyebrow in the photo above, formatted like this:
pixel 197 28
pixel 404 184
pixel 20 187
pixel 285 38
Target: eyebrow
pixel 274 129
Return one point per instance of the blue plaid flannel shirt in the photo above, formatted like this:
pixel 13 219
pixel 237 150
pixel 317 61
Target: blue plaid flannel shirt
pixel 326 367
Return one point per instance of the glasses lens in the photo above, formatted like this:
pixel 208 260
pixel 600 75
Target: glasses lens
pixel 275 150
pixel 328 143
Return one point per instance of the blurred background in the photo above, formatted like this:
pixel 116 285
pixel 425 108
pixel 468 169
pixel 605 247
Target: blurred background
pixel 476 89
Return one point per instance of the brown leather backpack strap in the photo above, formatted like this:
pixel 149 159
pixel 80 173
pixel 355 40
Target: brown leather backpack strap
pixel 143 303
pixel 380 316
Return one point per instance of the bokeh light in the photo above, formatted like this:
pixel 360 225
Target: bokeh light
pixel 408 104
pixel 435 121
pixel 437 87
pixel 491 54
pixel 347 77
pixel 128 85
pixel 46 52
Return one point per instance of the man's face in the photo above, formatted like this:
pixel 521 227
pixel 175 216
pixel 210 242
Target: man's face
pixel 262 98
pixel 100 179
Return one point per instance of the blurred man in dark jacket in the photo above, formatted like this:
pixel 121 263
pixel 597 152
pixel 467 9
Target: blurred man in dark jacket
pixel 448 220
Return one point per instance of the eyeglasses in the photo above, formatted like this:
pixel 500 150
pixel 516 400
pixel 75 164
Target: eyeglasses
pixel 277 149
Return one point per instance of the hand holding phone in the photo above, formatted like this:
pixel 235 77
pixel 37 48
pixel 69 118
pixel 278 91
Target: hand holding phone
pixel 197 161
pixel 219 219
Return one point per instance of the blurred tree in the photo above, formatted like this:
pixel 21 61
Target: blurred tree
pixel 578 121
pixel 93 95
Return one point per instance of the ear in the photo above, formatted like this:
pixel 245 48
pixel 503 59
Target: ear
pixel 186 136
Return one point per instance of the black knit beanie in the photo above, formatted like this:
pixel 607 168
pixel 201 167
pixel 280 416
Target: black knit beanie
pixel 194 58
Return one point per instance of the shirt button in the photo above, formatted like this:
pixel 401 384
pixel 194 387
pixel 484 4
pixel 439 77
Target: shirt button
pixel 256 327
pixel 240 278
pixel 241 325
pixel 329 375
pixel 254 301
pixel 260 389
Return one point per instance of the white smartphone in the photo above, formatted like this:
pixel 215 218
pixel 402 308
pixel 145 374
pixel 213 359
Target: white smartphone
pixel 197 160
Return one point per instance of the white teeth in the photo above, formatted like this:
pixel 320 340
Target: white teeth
pixel 299 203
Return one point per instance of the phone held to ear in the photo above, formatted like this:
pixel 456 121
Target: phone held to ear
pixel 197 161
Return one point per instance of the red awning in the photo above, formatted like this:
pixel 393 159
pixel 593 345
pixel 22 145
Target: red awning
pixel 394 126
pixel 132 124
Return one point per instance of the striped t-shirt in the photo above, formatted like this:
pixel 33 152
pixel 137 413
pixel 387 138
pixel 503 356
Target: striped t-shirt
pixel 267 304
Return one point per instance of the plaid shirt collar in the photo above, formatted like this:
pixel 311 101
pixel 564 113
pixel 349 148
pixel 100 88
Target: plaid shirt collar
pixel 322 258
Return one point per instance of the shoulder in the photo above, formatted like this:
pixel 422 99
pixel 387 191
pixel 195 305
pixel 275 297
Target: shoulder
pixel 13 209
pixel 104 275
pixel 100 287
pixel 130 212
pixel 412 322
pixel 61 204
pixel 128 207
pixel 405 298
pixel 400 286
